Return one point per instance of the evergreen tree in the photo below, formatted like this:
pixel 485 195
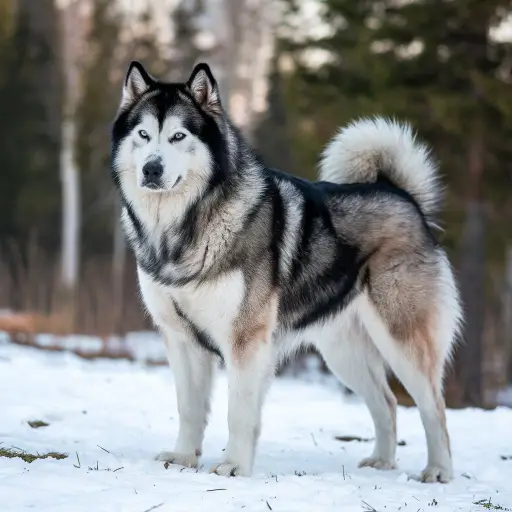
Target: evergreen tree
pixel 30 105
pixel 100 85
pixel 6 20
pixel 145 46
pixel 184 24
pixel 104 69
pixel 272 133
pixel 435 64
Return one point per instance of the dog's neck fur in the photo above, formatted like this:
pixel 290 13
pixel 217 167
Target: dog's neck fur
pixel 202 214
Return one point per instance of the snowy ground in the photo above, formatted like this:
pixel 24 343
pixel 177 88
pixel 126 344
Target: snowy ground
pixel 112 417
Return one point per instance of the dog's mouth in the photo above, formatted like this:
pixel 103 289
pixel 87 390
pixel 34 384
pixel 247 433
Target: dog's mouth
pixel 157 185
pixel 152 185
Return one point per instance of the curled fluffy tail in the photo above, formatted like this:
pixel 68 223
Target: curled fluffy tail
pixel 366 148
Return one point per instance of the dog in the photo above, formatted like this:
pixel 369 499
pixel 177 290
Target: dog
pixel 247 263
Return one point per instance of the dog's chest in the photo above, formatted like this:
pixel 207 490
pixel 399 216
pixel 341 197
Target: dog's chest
pixel 211 307
pixel 158 249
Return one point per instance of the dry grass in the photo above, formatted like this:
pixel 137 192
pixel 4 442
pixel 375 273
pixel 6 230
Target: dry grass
pixel 12 453
pixel 489 505
pixel 102 305
pixel 38 424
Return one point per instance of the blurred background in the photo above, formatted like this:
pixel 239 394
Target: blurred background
pixel 290 72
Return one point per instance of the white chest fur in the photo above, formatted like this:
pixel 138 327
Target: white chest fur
pixel 212 307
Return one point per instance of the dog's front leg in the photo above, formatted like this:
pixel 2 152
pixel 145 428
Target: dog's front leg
pixel 193 368
pixel 250 370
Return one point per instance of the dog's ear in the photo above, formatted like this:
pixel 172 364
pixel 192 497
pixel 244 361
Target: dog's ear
pixel 204 89
pixel 136 83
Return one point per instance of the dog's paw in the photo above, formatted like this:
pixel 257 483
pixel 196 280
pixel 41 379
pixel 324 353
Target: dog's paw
pixel 189 460
pixel 229 469
pixel 374 462
pixel 433 474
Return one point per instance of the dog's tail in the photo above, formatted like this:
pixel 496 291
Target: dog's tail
pixel 369 148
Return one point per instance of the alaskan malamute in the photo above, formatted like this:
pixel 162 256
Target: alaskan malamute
pixel 243 262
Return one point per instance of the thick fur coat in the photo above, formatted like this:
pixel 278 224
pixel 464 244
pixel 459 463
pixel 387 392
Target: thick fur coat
pixel 239 261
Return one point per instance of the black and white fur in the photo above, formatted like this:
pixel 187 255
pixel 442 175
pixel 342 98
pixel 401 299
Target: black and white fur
pixel 247 263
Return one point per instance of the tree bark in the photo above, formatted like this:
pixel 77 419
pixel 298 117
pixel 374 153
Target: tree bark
pixel 43 19
pixel 118 271
pixel 507 311
pixel 70 179
pixel 469 358
pixel 70 208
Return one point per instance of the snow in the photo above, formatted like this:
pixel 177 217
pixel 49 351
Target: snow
pixel 113 416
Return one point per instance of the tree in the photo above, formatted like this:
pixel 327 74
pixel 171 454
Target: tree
pixel 72 41
pixel 437 65
pixel 6 20
pixel 144 44
pixel 30 112
pixel 184 24
pixel 458 76
pixel 100 79
pixel 272 133
pixel 101 76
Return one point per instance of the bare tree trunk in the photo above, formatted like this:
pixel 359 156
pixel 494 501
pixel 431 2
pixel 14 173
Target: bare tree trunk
pixel 247 51
pixel 118 271
pixel 70 208
pixel 72 38
pixel 43 19
pixel 507 311
pixel 243 34
pixel 469 358
pixel 233 45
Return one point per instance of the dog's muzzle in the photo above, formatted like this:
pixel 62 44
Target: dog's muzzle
pixel 152 174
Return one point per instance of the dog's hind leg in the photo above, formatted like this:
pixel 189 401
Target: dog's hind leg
pixel 353 358
pixel 416 347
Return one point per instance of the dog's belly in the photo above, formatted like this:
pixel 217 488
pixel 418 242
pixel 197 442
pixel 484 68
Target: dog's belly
pixel 334 328
pixel 213 307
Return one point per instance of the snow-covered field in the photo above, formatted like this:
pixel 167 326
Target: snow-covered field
pixel 112 417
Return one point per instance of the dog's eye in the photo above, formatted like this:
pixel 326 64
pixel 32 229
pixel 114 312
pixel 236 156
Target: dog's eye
pixel 144 134
pixel 177 136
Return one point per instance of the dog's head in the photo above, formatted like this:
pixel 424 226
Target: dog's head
pixel 166 135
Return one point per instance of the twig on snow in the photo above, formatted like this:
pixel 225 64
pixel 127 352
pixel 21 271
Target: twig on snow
pixel 348 439
pixel 152 508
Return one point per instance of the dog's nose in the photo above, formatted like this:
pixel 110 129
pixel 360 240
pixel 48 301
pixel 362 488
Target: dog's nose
pixel 153 170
